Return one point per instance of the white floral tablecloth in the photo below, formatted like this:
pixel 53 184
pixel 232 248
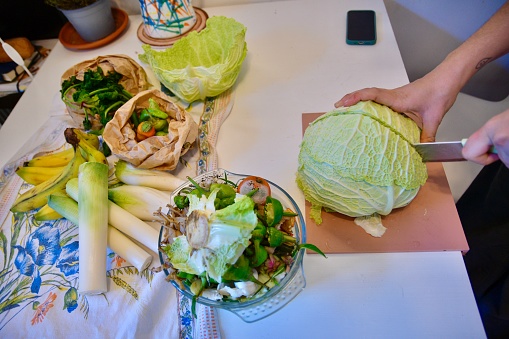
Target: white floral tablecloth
pixel 39 260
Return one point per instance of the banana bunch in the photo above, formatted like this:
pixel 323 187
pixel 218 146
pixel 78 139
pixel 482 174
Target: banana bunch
pixel 42 168
pixel 50 173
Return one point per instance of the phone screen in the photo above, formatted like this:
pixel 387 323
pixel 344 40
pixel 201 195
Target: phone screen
pixel 361 27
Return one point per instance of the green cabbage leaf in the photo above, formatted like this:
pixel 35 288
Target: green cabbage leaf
pixel 201 64
pixel 360 161
pixel 230 229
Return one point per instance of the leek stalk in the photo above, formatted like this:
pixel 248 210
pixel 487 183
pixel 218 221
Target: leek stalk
pixel 124 221
pixel 117 241
pixel 160 180
pixel 93 227
pixel 140 201
pixel 135 228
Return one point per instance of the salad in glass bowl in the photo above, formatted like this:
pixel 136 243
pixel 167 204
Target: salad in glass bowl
pixel 235 242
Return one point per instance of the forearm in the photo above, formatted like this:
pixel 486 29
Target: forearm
pixel 488 43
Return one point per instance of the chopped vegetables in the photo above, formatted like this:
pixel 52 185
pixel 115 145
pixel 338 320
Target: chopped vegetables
pixel 251 183
pixel 150 121
pixel 212 257
pixel 155 111
pixel 273 211
pixel 145 130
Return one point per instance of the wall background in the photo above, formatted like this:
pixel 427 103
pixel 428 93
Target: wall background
pixel 427 31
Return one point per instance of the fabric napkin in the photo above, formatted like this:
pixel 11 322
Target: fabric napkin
pixel 39 260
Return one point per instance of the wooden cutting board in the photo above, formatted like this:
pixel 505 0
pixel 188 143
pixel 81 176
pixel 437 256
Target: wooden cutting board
pixel 429 223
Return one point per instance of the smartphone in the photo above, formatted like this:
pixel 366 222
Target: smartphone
pixel 361 27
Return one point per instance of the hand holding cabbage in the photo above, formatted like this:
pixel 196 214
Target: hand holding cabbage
pixel 360 161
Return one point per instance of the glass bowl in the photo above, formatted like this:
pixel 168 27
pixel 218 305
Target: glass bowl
pixel 276 297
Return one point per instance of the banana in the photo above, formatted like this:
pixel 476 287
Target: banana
pixel 92 153
pixel 62 158
pixel 35 175
pixel 56 159
pixel 92 139
pixel 37 196
pixel 46 213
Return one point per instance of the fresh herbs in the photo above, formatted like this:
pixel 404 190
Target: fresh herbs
pixel 98 94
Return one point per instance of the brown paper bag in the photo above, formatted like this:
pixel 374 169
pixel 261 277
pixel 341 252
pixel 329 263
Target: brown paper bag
pixel 134 80
pixel 156 152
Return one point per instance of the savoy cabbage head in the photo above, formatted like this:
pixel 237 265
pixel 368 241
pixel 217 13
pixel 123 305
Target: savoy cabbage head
pixel 360 161
pixel 201 64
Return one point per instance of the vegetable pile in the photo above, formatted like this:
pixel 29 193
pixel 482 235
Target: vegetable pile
pixel 150 121
pixel 103 84
pixel 226 245
pixel 360 161
pixel 98 94
pixel 75 184
pixel 151 131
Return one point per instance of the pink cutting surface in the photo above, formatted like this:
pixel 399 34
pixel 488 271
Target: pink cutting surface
pixel 429 223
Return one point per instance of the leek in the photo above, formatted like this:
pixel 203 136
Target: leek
pixel 124 221
pixel 93 227
pixel 140 201
pixel 160 180
pixel 128 249
pixel 46 213
pixel 135 228
pixel 117 241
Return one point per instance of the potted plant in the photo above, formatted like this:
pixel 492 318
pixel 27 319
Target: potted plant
pixel 92 19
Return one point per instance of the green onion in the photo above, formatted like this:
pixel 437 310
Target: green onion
pixel 160 180
pixel 117 241
pixel 93 227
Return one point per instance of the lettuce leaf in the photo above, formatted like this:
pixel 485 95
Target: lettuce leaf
pixel 201 64
pixel 230 231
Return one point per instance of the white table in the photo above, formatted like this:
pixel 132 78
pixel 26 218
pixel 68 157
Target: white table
pixel 298 62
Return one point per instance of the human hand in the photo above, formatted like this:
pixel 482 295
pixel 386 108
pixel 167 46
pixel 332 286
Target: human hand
pixel 495 132
pixel 423 100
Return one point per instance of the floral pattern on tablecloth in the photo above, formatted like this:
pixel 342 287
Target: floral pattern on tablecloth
pixel 40 264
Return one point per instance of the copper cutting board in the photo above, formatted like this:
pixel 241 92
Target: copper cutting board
pixel 429 223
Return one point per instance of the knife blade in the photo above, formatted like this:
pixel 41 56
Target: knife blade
pixel 443 151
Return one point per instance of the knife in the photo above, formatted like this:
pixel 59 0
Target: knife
pixel 444 151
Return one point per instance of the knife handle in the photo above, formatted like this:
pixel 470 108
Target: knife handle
pixel 492 149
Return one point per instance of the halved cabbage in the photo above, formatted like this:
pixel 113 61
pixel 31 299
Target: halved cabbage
pixel 360 161
pixel 201 64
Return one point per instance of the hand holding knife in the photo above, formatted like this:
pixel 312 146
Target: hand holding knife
pixel 444 151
